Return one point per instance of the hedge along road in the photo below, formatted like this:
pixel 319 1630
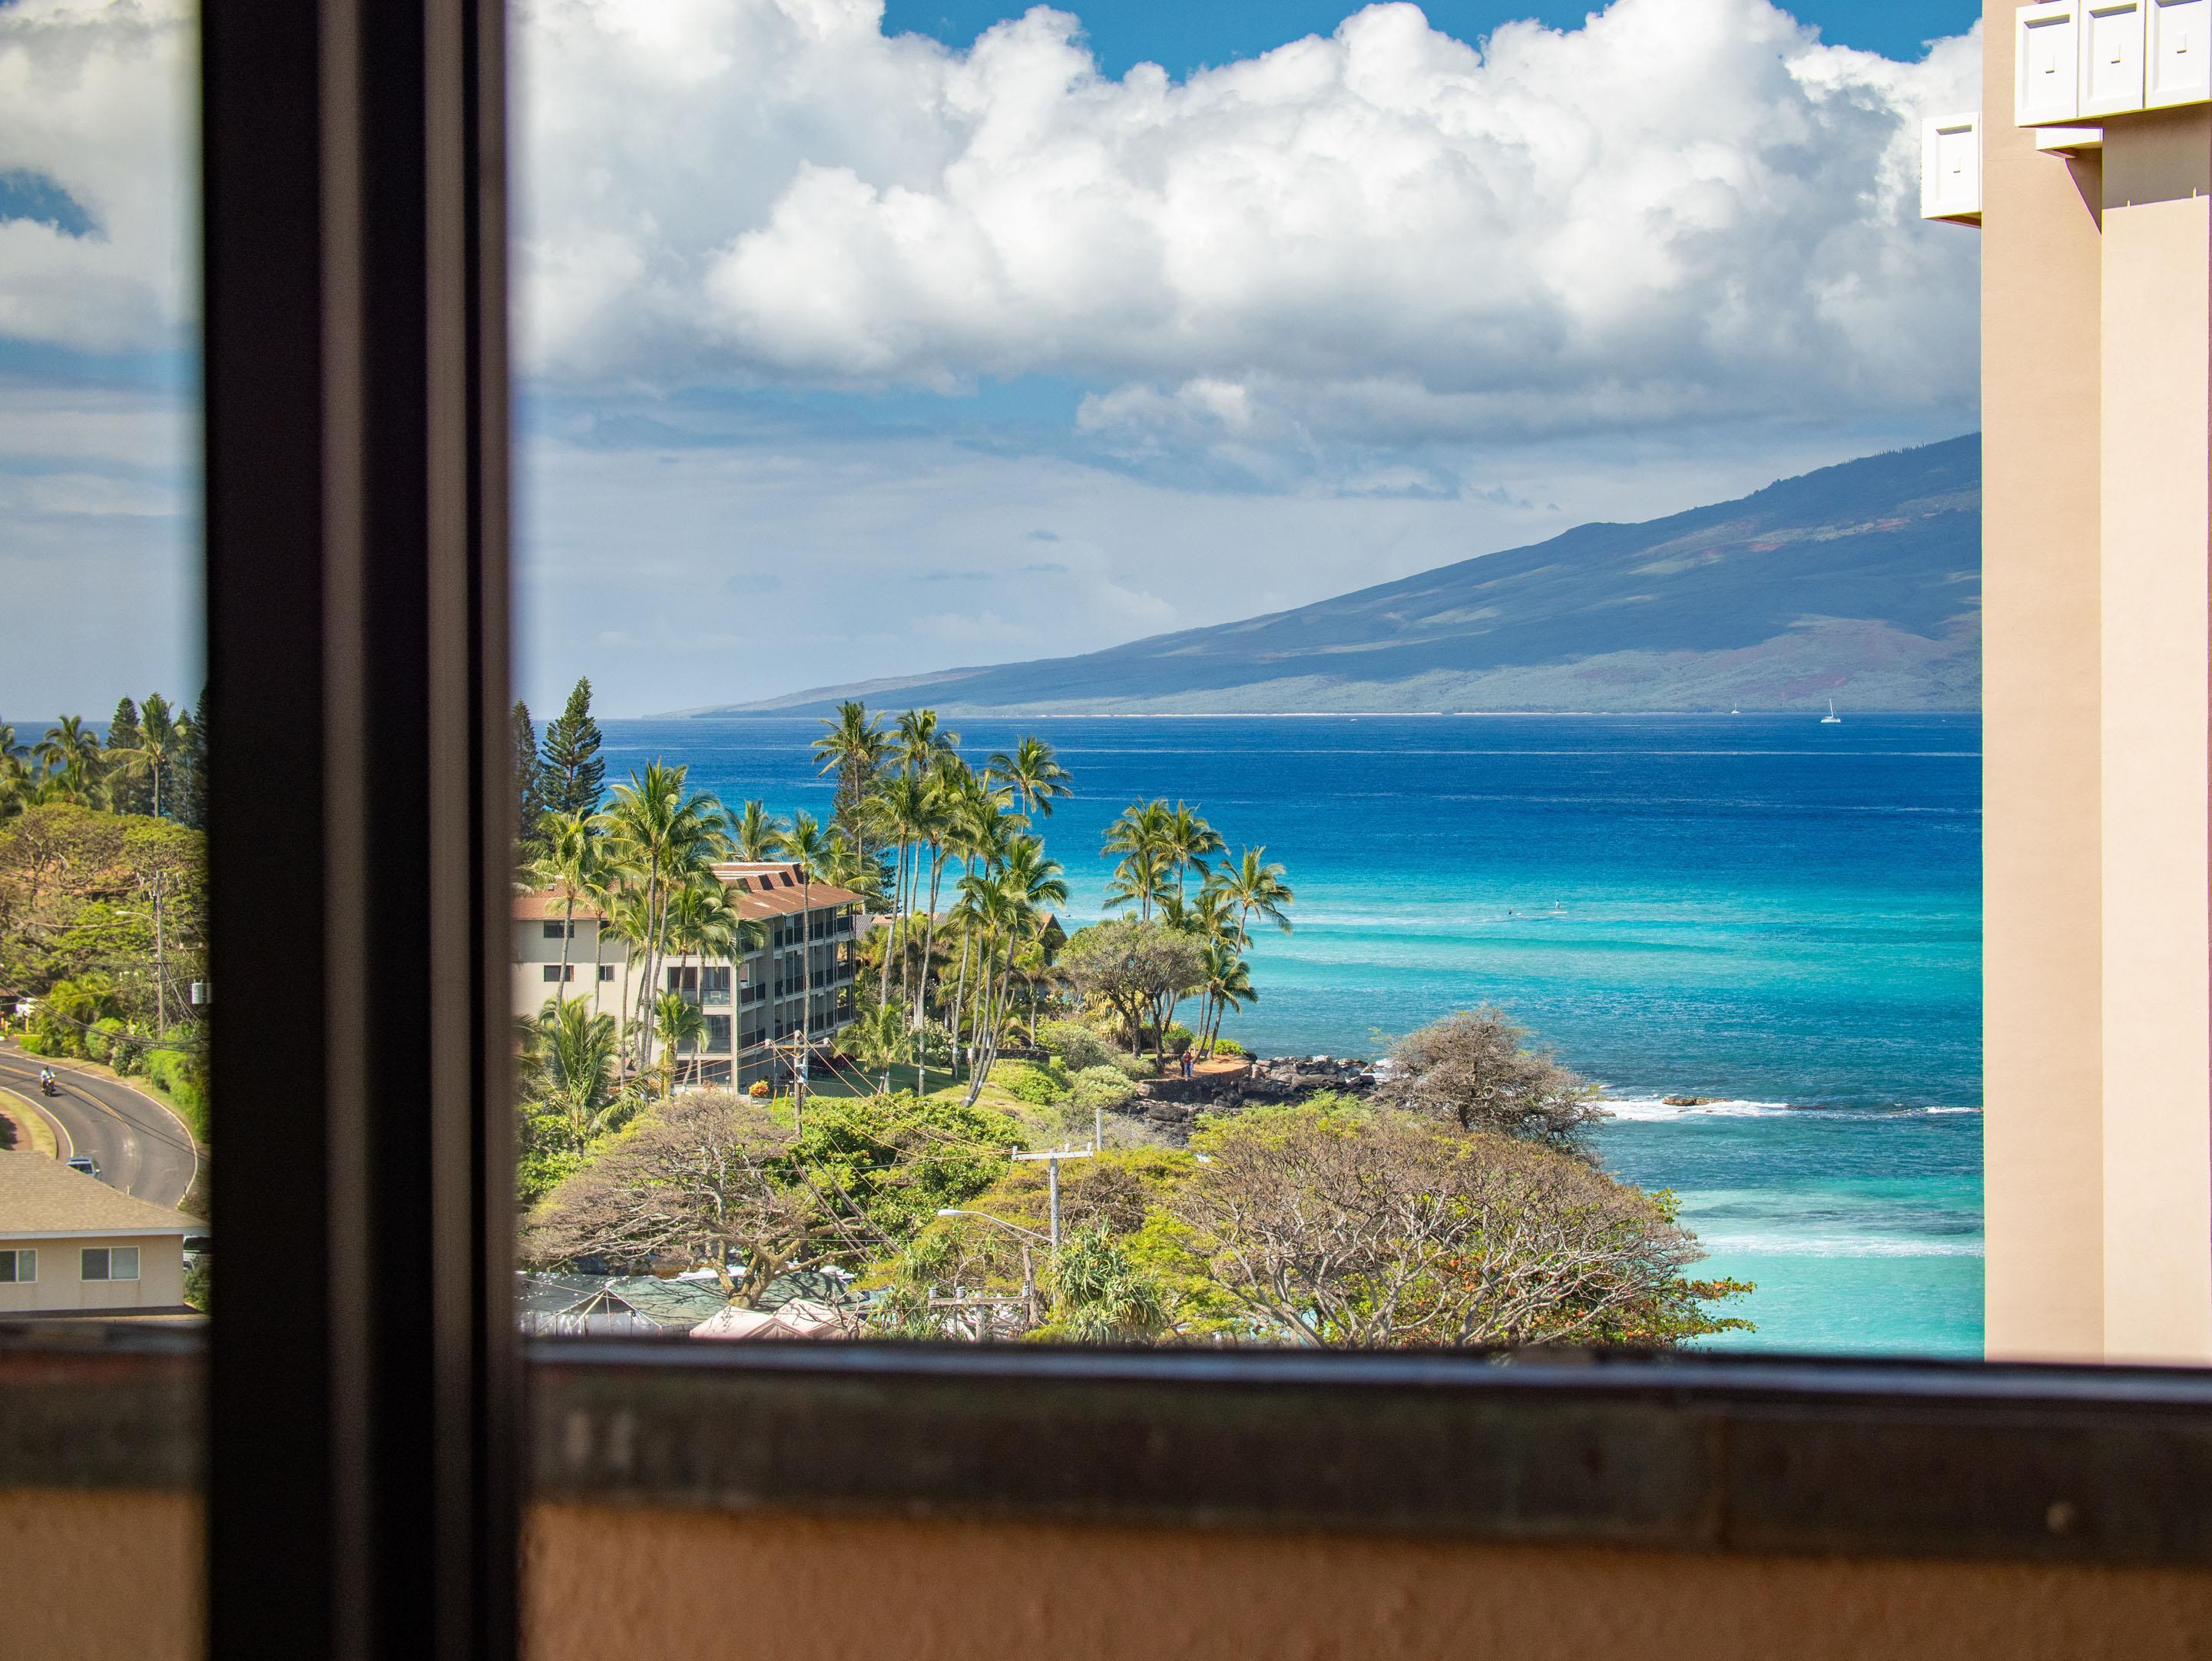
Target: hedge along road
pixel 141 1147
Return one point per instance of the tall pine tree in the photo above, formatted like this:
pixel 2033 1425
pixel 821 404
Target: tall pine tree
pixel 129 790
pixel 191 780
pixel 529 785
pixel 162 745
pixel 574 774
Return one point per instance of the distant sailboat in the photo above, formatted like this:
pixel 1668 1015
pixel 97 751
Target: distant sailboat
pixel 1831 719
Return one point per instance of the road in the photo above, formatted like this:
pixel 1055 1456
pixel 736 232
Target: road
pixel 141 1147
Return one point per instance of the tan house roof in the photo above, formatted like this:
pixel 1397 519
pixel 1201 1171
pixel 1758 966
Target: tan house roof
pixel 549 906
pixel 770 889
pixel 43 1199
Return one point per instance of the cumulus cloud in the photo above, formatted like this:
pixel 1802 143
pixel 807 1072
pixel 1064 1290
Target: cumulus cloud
pixel 1686 209
pixel 1683 209
pixel 96 143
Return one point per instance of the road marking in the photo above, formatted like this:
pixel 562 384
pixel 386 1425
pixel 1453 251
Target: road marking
pixel 191 1143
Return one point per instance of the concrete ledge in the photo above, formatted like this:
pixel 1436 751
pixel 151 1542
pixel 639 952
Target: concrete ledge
pixel 1703 1454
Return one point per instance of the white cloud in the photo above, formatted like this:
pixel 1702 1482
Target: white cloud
pixel 1687 209
pixel 97 103
pixel 1684 209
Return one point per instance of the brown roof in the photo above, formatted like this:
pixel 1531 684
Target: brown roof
pixel 550 907
pixel 41 1197
pixel 769 889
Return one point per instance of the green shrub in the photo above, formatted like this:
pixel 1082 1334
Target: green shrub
pixel 35 1043
pixel 1099 1087
pixel 1075 1044
pixel 1133 1067
pixel 1027 1083
pixel 1180 1038
pixel 1229 1047
pixel 113 1042
pixel 183 1077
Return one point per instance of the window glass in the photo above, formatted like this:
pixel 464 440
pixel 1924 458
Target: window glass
pixel 1254 644
pixel 105 1102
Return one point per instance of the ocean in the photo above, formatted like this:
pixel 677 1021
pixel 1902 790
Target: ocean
pixel 1777 914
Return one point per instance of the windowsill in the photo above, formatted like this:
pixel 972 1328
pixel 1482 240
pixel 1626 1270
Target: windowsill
pixel 1730 1454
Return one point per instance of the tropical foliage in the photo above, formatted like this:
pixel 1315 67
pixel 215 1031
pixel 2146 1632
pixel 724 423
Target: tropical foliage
pixel 1459 1211
pixel 103 893
pixel 150 763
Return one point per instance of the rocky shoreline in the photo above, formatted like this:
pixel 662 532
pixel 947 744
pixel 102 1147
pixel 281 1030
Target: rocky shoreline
pixel 1170 1105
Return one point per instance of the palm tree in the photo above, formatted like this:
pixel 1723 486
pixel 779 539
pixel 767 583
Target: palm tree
pixel 1007 906
pixel 571 1060
pixel 71 757
pixel 976 833
pixel 679 1024
pixel 1186 840
pixel 15 773
pixel 919 744
pixel 849 868
pixel 752 833
pixel 161 740
pixel 665 836
pixel 902 810
pixel 1033 773
pixel 876 1040
pixel 1227 986
pixel 852 747
pixel 569 862
pixel 950 782
pixel 1255 888
pixel 1142 836
pixel 807 846
pixel 626 915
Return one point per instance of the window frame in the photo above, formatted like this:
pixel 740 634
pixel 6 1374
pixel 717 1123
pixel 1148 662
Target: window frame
pixel 354 233
pixel 16 1257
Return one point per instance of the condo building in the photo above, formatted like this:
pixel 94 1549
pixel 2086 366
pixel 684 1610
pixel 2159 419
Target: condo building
pixel 755 1004
pixel 2089 169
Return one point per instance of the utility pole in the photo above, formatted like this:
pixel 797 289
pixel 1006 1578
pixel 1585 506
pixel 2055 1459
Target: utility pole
pixel 1052 1174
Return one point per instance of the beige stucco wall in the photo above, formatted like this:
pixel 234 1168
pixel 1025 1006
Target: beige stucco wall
pixel 2042 783
pixel 683 1585
pixel 160 1285
pixel 532 952
pixel 2157 679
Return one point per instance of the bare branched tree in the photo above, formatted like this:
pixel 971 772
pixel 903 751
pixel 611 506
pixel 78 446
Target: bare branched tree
pixel 1334 1227
pixel 1475 1069
pixel 704 1178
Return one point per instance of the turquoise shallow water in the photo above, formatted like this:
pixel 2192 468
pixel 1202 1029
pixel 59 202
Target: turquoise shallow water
pixel 1762 909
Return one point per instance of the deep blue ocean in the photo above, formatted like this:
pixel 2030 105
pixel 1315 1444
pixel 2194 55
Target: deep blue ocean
pixel 1778 914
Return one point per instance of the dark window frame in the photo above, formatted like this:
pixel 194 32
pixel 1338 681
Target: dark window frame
pixel 356 431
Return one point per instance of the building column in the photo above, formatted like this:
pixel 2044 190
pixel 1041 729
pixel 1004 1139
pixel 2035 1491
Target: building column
pixel 2041 863
pixel 2156 510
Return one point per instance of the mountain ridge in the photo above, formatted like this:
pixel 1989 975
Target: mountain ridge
pixel 1859 581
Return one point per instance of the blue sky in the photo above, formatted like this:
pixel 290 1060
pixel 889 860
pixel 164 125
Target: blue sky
pixel 852 348
pixel 1181 35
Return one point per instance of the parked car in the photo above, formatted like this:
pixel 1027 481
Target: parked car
pixel 85 1163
